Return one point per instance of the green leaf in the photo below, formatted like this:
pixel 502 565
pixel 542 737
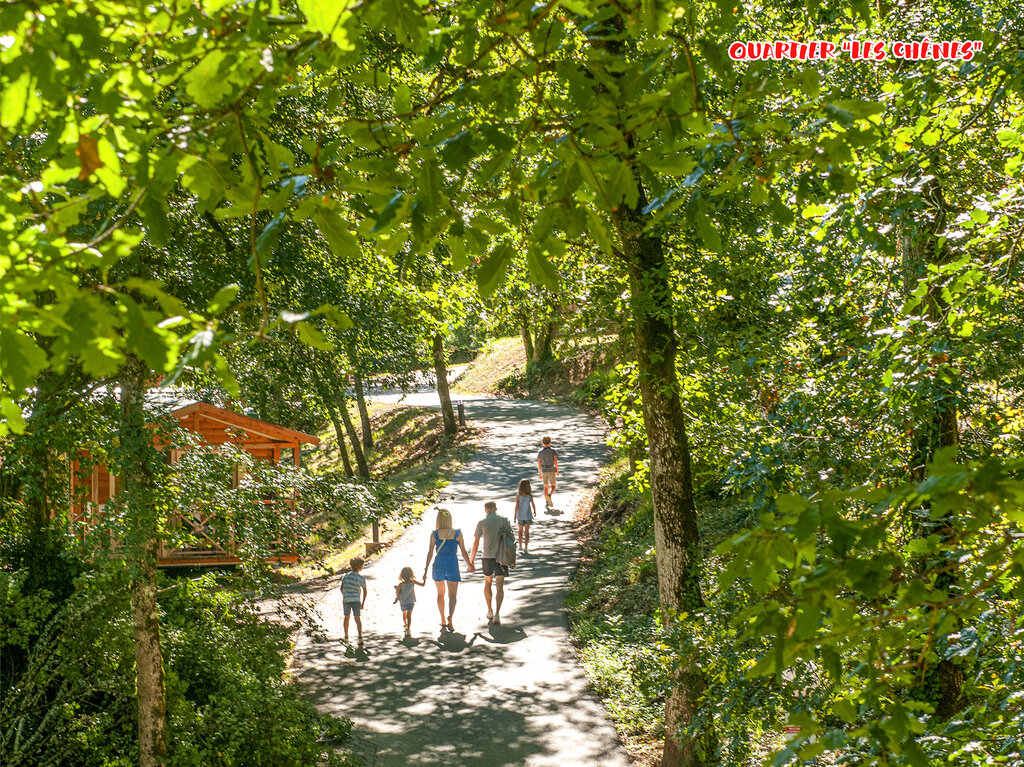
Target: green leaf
pixel 21 359
pixel 310 336
pixel 146 341
pixel 457 247
pixel 709 234
pixel 154 218
pixel 790 504
pixel 205 83
pixel 335 230
pixel 13 420
pixel 19 102
pixel 267 239
pixel 492 271
pixel 223 298
pixel 227 377
pixel 328 17
pixel 541 269
pixel 599 232
pixel 457 151
pixel 389 212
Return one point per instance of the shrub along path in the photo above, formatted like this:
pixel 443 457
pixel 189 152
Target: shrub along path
pixel 485 695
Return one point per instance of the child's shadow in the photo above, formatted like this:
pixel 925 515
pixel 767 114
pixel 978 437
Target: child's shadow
pixel 503 634
pixel 409 641
pixel 357 653
pixel 453 641
pixel 554 512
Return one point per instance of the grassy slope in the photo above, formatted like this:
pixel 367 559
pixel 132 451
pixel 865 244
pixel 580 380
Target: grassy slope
pixel 502 357
pixel 579 375
pixel 411 460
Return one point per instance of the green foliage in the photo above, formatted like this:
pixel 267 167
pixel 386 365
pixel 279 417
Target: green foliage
pixel 68 699
pixel 851 590
pixel 227 685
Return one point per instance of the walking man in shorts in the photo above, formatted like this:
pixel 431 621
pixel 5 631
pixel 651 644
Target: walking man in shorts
pixel 490 529
pixel 547 468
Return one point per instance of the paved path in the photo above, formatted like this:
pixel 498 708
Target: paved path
pixel 485 695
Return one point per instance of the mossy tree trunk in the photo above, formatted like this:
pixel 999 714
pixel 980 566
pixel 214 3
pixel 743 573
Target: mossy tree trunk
pixel 137 468
pixel 921 246
pixel 676 537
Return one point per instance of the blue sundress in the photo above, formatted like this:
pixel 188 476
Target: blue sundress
pixel 446 559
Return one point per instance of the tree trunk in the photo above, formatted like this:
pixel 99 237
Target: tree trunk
pixel 353 436
pixel 364 414
pixel 524 331
pixel 676 537
pixel 336 404
pixel 136 466
pixel 920 247
pixel 339 433
pixel 545 341
pixel 675 516
pixel 451 426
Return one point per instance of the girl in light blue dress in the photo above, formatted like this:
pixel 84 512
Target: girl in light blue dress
pixel 446 543
pixel 525 512
pixel 405 596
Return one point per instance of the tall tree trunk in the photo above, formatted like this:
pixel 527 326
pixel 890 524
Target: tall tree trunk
pixel 364 413
pixel 675 516
pixel 451 426
pixel 676 537
pixel 920 247
pixel 136 465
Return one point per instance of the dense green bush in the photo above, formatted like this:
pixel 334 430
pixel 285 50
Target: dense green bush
pixel 67 694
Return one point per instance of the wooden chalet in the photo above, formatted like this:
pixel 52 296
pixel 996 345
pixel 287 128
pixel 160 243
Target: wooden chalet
pixel 217 426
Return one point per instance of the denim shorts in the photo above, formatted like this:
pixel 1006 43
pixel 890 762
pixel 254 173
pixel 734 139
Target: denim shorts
pixel 406 606
pixel 351 608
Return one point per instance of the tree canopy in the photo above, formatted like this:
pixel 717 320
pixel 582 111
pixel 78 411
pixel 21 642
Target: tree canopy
pixel 813 268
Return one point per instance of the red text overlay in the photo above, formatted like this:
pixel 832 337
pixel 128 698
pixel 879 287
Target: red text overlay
pixel 858 50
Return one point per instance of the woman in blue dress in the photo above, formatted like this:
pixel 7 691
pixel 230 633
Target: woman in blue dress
pixel 446 543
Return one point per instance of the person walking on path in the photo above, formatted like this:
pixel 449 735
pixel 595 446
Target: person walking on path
pixel 405 596
pixel 525 511
pixel 547 468
pixel 490 529
pixel 446 543
pixel 353 595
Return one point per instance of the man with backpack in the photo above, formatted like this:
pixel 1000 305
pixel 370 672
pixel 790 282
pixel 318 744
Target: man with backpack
pixel 498 538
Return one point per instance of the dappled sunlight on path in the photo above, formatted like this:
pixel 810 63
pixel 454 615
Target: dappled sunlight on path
pixel 510 694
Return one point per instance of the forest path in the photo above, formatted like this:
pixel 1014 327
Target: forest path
pixel 512 694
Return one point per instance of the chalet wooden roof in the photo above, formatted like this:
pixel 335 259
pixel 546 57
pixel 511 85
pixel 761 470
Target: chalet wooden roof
pixel 251 426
